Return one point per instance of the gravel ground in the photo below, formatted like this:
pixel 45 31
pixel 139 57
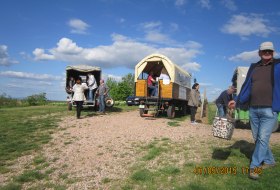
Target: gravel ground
pixel 93 149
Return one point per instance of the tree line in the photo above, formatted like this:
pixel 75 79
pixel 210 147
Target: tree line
pixel 120 90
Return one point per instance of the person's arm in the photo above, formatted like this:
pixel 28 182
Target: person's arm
pixel 225 98
pixel 74 88
pixel 106 90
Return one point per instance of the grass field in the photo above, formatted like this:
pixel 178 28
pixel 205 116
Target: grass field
pixel 163 164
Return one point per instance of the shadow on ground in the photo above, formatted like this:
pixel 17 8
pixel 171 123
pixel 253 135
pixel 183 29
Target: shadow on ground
pixel 245 148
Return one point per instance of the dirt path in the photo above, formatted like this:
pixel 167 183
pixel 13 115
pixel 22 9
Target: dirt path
pixel 94 149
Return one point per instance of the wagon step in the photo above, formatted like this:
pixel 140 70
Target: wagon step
pixel 151 109
pixel 151 103
pixel 148 115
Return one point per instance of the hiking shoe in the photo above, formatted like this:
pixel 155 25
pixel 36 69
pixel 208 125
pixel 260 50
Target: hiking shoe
pixel 253 175
pixel 193 122
pixel 265 166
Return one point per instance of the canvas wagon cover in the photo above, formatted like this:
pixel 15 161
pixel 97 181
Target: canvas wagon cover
pixel 83 68
pixel 241 73
pixel 177 74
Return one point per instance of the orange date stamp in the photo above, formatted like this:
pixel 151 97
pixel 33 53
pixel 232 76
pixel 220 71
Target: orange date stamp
pixel 223 170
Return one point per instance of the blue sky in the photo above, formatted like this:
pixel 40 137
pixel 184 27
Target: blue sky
pixel 208 38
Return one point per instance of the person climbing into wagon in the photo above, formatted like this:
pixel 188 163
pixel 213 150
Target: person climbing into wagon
pixel 153 90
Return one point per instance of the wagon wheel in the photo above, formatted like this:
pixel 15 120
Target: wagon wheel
pixel 171 111
pixel 143 111
pixel 109 102
pixel 156 113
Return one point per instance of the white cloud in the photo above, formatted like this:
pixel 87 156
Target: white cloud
pixel 247 56
pixel 123 51
pixel 121 20
pixel 32 76
pixel 5 60
pixel 78 26
pixel 179 3
pixel 247 25
pixel 174 26
pixel 191 66
pixel 40 55
pixel 157 37
pixel 205 4
pixel 230 4
pixel 151 25
pixel 114 77
pixel 153 32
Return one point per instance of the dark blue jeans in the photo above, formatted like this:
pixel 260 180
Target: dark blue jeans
pixel 221 110
pixel 153 90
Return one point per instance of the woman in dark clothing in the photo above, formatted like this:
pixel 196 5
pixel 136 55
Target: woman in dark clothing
pixel 194 101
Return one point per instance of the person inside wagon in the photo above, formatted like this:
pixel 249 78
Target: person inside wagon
pixel 164 76
pixel 153 90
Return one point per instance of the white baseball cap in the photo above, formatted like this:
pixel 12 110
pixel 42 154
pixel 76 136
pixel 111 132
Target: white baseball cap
pixel 267 46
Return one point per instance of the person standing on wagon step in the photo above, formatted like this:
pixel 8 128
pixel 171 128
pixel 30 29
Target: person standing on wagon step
pixel 92 85
pixel 79 95
pixel 194 101
pixel 261 90
pixel 102 91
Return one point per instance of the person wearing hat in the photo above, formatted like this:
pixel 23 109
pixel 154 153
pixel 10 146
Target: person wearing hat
pixel 261 90
pixel 222 101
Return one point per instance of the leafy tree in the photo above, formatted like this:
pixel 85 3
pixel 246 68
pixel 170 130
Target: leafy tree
pixel 129 79
pixel 6 100
pixel 120 90
pixel 37 99
pixel 113 85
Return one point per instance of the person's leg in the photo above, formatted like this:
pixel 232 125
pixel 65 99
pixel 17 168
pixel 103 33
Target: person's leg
pixel 152 90
pixel 262 122
pixel 221 110
pixel 102 103
pixel 99 101
pixel 192 114
pixel 79 105
pixel 267 125
pixel 195 110
pixel 156 90
pixel 90 95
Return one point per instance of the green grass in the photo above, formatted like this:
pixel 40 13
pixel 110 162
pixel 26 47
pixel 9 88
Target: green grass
pixel 211 112
pixel 26 129
pixel 173 123
pixel 162 164
pixel 23 130
pixel 223 165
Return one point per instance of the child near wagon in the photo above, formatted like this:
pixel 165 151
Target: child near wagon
pixel 79 96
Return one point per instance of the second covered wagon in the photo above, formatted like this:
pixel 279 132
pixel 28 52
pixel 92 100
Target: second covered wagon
pixel 173 92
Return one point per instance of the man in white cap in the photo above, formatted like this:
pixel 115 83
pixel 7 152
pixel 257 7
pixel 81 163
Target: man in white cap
pixel 261 91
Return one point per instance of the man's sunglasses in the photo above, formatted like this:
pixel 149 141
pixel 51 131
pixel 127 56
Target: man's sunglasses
pixel 267 51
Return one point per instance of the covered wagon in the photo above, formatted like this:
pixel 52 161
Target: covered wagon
pixel 82 71
pixel 173 92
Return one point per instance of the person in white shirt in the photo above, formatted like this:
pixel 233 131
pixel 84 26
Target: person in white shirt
pixel 92 85
pixel 79 96
pixel 164 76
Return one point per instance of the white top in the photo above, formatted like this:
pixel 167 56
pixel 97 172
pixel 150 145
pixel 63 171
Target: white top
pixel 78 90
pixel 91 82
pixel 165 78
